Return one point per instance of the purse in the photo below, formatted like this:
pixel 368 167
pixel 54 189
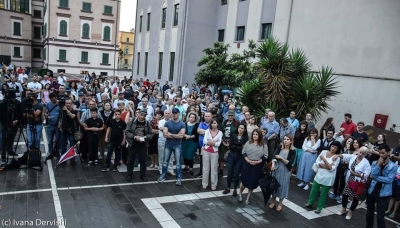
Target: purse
pixel 315 167
pixel 209 149
pixel 77 133
pixel 358 187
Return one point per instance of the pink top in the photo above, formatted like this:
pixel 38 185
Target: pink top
pixel 46 98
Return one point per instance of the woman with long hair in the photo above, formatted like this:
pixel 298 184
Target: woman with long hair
pixel 212 140
pixel 255 154
pixel 328 125
pixel 359 168
pixel 190 142
pixel 153 145
pixel 310 152
pixel 95 86
pixel 107 114
pixel 282 165
pixel 355 147
pixel 340 179
pixel 74 88
pixel 325 175
pixel 44 94
pixel 252 125
pixel 299 137
pixel 235 159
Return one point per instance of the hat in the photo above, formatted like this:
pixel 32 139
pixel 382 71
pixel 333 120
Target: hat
pixel 143 111
pixel 136 91
pixel 68 90
pixel 176 110
pixel 231 113
pixel 120 93
pixel 81 94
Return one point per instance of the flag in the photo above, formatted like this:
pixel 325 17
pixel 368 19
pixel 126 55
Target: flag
pixel 71 153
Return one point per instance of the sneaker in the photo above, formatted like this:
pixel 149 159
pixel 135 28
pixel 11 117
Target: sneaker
pixel 333 196
pixel 105 169
pixel 301 184
pixel 240 199
pixel 178 182
pixel 171 173
pixel 155 166
pixel 115 169
pixel 199 175
pixel 339 199
pixel 234 193
pixel 96 162
pixel 185 170
pixel 247 201
pixel 226 191
pixel 191 173
pixel 100 157
pixel 161 180
pixel 90 163
pixel 306 187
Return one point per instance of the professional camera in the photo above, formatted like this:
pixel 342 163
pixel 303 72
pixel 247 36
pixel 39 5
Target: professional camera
pixel 29 101
pixel 61 100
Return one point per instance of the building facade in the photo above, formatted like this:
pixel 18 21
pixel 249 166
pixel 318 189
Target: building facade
pixel 21 32
pixel 126 45
pixel 81 36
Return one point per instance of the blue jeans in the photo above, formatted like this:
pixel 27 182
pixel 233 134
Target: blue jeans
pixel 111 147
pixel 38 129
pixel 234 167
pixel 167 155
pixel 52 135
pixel 65 137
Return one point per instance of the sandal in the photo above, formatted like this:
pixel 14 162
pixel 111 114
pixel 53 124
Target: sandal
pixel 392 215
pixel 279 208
pixel 272 205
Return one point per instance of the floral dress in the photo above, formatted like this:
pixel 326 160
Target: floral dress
pixel 347 190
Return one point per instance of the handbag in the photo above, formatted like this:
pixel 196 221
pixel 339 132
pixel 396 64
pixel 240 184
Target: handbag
pixel 315 167
pixel 209 149
pixel 77 133
pixel 357 187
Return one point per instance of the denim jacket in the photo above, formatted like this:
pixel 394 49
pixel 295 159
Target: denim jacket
pixel 388 174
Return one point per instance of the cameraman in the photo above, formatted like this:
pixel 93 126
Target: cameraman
pixel 33 112
pixel 51 114
pixel 67 127
pixel 10 118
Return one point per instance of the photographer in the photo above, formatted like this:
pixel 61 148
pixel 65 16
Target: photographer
pixel 10 119
pixel 51 114
pixel 33 112
pixel 67 127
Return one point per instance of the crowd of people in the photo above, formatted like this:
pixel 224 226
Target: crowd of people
pixel 133 120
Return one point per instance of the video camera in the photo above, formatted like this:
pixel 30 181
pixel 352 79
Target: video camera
pixel 61 100
pixel 29 101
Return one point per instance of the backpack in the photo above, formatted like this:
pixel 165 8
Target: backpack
pixel 34 158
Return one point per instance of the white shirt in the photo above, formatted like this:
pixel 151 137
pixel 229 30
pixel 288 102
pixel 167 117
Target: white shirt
pixel 61 80
pixel 185 91
pixel 362 167
pixel 45 82
pixel 307 145
pixel 324 176
pixel 171 95
pixel 338 138
pixel 161 124
pixel 115 104
pixel 21 77
pixel 35 86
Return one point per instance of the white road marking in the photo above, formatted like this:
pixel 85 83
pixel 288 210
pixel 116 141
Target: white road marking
pixel 56 198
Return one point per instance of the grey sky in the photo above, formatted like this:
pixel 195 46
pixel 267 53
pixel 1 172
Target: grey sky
pixel 127 16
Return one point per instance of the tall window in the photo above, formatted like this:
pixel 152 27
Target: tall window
pixel 64 4
pixel 148 21
pixel 146 58
pixel 171 66
pixel 85 31
pixel 127 51
pixel 266 31
pixel 127 39
pixel 87 6
pixel 164 17
pixel 17 52
pixel 63 28
pixel 17 28
pixel 108 10
pixel 44 53
pixel 176 14
pixel 106 35
pixel 160 63
pixel 240 33
pixel 2 6
pixel 224 2
pixel 37 53
pixel 138 63
pixel 36 32
pixel 84 57
pixel 105 58
pixel 62 55
pixel 21 6
pixel 221 35
pixel 140 23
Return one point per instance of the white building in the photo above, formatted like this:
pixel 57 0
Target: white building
pixel 81 36
pixel 359 39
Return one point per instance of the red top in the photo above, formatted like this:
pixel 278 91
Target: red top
pixel 349 128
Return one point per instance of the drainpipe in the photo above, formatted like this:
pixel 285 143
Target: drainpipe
pixel 115 37
pixel 290 21
pixel 182 44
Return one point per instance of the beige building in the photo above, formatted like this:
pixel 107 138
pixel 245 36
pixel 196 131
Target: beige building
pixel 81 36
pixel 21 32
pixel 126 45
